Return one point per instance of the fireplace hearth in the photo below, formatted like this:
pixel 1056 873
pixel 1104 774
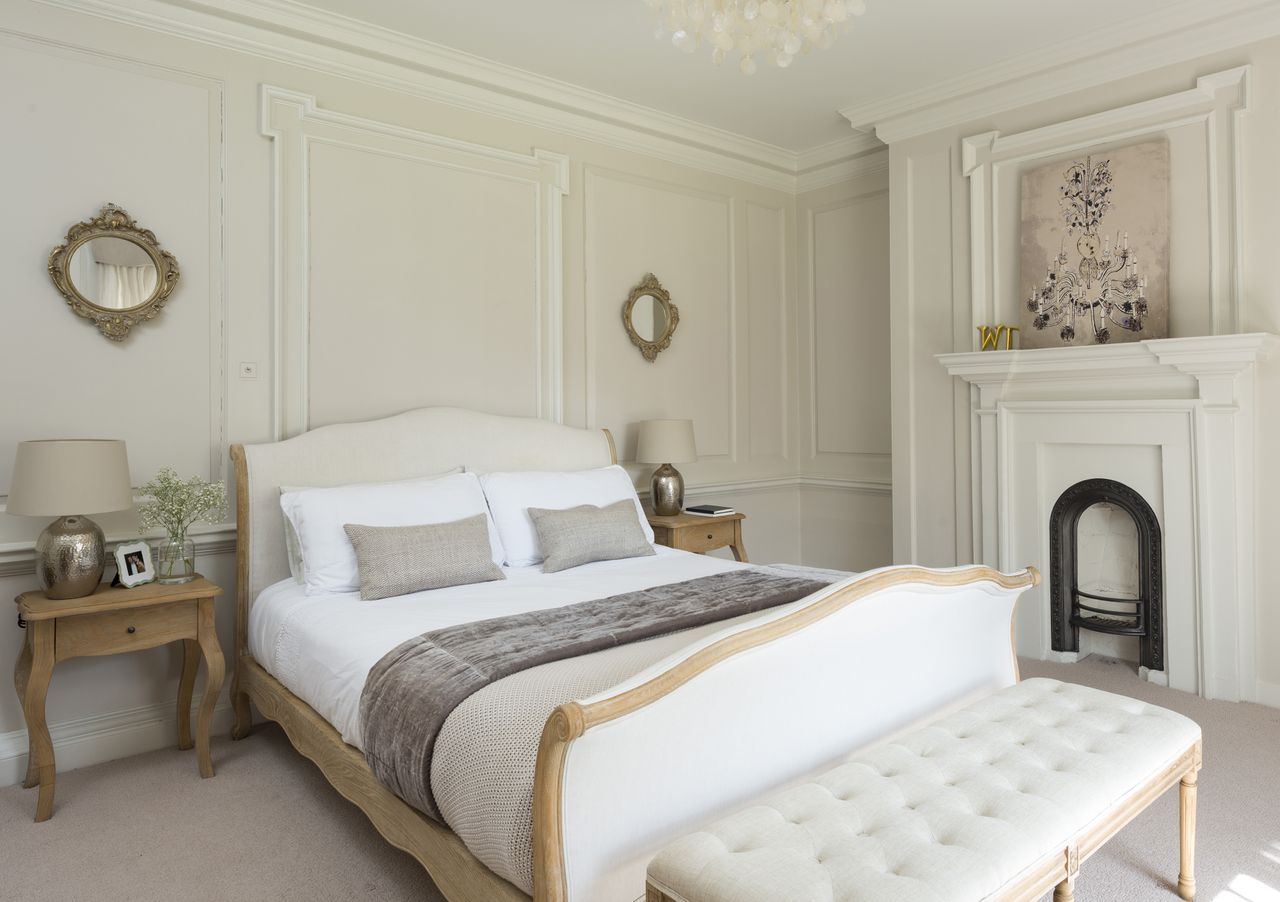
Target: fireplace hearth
pixel 1072 608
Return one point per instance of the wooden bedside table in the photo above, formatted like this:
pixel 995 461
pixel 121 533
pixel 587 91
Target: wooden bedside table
pixel 105 623
pixel 689 532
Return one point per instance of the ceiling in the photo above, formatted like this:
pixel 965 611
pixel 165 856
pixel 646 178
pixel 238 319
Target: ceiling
pixel 609 46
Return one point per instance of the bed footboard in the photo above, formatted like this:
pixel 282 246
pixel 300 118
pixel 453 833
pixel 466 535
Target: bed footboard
pixel 754 707
pixel 454 869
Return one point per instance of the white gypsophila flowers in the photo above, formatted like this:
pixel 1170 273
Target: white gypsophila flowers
pixel 176 504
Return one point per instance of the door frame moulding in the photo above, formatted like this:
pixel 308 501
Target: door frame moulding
pixel 293 121
pixel 1218 101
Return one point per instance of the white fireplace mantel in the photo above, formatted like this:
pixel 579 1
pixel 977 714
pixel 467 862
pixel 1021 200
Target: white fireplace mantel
pixel 1172 418
pixel 1207 356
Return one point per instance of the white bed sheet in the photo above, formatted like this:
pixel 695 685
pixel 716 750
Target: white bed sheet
pixel 322 647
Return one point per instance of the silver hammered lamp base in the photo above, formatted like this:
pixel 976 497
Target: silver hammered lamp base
pixel 71 555
pixel 667 491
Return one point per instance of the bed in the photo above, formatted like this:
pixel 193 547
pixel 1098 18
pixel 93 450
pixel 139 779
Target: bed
pixel 559 783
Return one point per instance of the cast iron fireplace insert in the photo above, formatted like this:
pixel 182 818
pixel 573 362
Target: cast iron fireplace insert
pixel 1072 609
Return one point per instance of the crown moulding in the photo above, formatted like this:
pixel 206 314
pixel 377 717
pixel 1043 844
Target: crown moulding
pixel 295 34
pixel 1184 31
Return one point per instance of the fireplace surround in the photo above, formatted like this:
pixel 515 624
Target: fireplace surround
pixel 1175 420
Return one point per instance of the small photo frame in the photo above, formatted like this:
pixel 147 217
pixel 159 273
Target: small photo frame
pixel 133 564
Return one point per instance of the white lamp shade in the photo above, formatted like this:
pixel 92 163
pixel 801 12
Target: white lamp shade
pixel 666 442
pixel 62 477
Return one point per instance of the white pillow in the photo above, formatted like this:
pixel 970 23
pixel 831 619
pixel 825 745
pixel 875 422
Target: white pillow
pixel 319 515
pixel 291 546
pixel 511 495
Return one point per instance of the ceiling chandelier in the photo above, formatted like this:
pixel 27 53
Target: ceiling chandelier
pixel 777 30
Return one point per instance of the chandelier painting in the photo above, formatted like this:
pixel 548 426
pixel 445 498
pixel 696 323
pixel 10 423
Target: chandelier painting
pixel 1105 290
pixel 775 30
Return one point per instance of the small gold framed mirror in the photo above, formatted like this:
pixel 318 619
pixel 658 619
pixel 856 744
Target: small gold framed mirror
pixel 650 317
pixel 113 272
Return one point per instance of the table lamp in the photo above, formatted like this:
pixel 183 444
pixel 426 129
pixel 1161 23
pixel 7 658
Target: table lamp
pixel 666 442
pixel 55 476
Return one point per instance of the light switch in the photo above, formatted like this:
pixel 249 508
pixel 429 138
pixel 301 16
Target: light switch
pixel 248 369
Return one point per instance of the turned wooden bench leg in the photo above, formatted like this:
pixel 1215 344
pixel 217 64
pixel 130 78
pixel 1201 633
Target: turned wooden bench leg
pixel 1187 823
pixel 1065 891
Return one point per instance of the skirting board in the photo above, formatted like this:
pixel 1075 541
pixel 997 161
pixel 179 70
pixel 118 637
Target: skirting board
pixel 106 737
pixel 1268 694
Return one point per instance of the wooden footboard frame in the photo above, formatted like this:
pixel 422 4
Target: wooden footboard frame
pixel 572 720
pixel 455 870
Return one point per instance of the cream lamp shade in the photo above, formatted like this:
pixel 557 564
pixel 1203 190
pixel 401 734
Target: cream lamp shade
pixel 70 476
pixel 666 442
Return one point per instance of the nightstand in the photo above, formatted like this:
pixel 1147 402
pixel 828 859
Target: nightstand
pixel 105 623
pixel 689 532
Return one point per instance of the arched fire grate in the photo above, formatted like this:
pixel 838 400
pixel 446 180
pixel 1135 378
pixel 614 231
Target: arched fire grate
pixel 1071 609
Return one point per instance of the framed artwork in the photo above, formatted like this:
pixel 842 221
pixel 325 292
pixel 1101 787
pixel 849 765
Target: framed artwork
pixel 133 564
pixel 1094 264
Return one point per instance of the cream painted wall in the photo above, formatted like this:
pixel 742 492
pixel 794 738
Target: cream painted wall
pixel 932 302
pixel 843 434
pixel 171 130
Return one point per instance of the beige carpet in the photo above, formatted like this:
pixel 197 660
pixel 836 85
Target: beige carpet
pixel 268 826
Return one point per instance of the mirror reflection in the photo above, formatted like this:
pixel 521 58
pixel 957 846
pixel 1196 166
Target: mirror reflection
pixel 649 317
pixel 113 273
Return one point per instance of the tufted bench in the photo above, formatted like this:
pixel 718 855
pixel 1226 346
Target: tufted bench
pixel 1001 800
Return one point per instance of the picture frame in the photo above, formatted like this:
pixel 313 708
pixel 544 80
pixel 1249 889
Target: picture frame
pixel 133 564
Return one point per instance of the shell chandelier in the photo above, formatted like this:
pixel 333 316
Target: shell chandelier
pixel 777 30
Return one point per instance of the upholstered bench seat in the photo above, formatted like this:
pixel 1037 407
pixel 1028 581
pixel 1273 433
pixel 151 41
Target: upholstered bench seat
pixel 1000 800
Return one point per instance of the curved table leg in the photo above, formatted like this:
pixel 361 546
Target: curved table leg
pixel 21 676
pixel 37 688
pixel 186 687
pixel 214 672
pixel 738 548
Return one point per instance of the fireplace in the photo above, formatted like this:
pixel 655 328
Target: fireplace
pixel 1134 609
pixel 1174 420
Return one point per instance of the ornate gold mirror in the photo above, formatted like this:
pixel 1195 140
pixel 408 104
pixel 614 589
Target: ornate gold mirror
pixel 113 272
pixel 650 317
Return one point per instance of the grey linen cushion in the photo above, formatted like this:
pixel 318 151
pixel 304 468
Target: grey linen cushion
pixel 579 535
pixel 398 560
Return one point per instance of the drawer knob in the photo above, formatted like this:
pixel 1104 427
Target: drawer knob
pixel 709 536
pixel 132 629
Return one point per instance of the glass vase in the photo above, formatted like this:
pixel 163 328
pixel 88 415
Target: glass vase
pixel 175 560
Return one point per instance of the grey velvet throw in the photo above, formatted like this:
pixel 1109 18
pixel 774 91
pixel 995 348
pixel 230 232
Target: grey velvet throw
pixel 415 686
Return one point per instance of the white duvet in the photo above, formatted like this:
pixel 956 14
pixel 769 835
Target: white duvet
pixel 322 648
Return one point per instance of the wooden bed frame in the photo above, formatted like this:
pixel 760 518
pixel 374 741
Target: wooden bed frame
pixel 459 875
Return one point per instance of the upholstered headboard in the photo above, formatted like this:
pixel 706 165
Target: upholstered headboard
pixel 416 443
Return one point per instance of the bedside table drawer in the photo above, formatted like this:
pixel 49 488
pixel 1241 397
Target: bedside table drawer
pixel 716 534
pixel 117 631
